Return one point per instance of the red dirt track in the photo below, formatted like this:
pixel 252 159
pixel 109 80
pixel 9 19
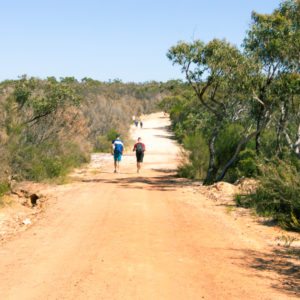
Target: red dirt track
pixel 136 236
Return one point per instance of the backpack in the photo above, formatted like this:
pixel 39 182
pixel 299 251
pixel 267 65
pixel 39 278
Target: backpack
pixel 118 147
pixel 139 148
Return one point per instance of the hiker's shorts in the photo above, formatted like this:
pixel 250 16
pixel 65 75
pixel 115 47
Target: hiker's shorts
pixel 117 156
pixel 139 157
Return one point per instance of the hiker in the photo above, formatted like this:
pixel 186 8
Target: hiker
pixel 117 151
pixel 139 149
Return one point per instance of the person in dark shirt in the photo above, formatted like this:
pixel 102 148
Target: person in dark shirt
pixel 139 149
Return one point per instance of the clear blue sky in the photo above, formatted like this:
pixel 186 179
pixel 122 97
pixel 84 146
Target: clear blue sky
pixel 113 39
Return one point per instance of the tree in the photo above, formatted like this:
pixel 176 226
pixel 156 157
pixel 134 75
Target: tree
pixel 218 74
pixel 257 89
pixel 272 42
pixel 42 98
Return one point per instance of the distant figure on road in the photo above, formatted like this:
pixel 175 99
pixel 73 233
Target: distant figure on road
pixel 139 149
pixel 117 151
pixel 141 124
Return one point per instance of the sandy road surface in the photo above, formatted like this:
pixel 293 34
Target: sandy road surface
pixel 129 236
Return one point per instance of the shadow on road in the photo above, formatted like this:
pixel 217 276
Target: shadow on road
pixel 169 137
pixel 284 262
pixel 159 183
pixel 164 128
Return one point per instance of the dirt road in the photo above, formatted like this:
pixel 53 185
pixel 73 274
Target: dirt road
pixel 137 236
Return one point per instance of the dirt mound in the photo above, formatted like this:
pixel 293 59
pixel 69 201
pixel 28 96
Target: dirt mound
pixel 221 191
pixel 225 192
pixel 225 188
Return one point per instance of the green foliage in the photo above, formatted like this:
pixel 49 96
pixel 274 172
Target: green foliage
pixel 48 160
pixel 4 187
pixel 245 166
pixel 274 38
pixel 112 135
pixel 103 142
pixel 277 195
pixel 242 100
pixel 227 142
pixel 198 157
pixel 50 125
pixel 43 98
pixel 187 170
pixel 45 133
pixel 268 143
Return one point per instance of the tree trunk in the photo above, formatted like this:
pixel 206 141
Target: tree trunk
pixel 257 143
pixel 295 147
pixel 211 172
pixel 258 125
pixel 281 126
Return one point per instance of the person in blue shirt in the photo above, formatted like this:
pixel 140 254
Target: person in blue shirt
pixel 117 151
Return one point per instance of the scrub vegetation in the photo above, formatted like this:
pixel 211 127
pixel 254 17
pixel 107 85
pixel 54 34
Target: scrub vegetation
pixel 238 114
pixel 49 126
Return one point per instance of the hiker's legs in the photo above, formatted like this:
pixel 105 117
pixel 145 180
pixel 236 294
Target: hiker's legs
pixel 139 160
pixel 117 166
pixel 117 159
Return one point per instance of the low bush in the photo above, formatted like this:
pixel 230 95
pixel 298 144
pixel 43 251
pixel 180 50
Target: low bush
pixel 226 143
pixel 246 166
pixel 103 142
pixel 4 187
pixel 277 195
pixel 47 160
pixel 186 170
pixel 197 150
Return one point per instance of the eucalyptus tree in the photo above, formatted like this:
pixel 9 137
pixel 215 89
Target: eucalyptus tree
pixel 36 99
pixel 273 41
pixel 42 120
pixel 257 88
pixel 219 75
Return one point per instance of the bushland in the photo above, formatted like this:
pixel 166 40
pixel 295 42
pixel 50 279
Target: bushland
pixel 239 108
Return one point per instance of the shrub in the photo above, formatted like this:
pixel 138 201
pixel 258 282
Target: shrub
pixel 198 157
pixel 277 195
pixel 247 163
pixel 48 160
pixel 103 142
pixel 186 170
pixel 246 166
pixel 268 143
pixel 111 135
pixel 4 187
pixel 227 142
